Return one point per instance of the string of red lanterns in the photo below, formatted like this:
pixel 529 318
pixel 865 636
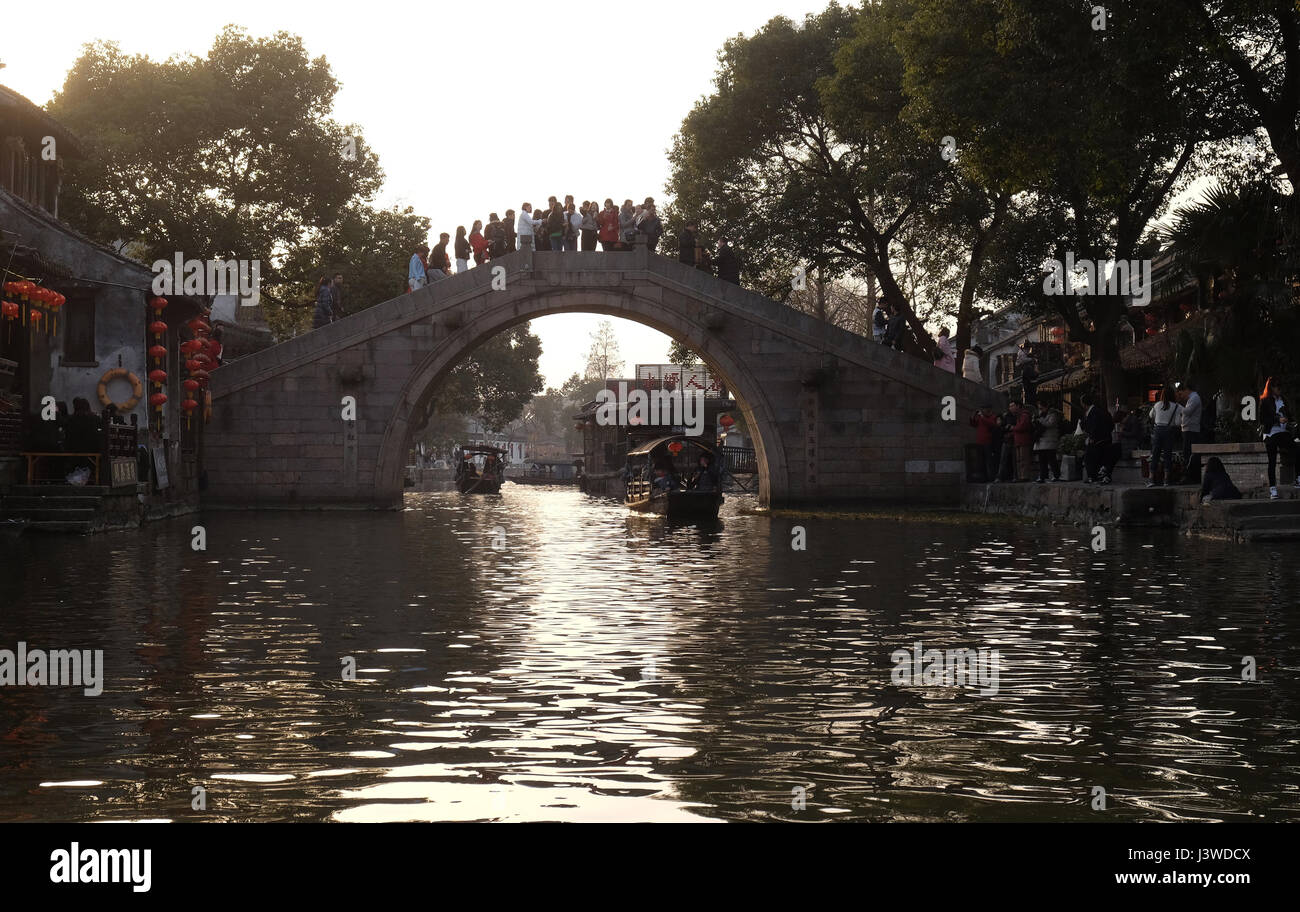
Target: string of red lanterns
pixel 158 352
pixel 47 302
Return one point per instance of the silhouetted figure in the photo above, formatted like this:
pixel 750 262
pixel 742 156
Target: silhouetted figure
pixel 728 263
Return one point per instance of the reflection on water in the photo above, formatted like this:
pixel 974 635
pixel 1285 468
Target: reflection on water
pixel 608 667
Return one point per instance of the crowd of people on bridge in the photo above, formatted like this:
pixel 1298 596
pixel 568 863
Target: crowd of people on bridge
pixel 565 226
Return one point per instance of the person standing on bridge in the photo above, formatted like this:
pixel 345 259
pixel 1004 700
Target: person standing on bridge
pixel 324 314
pixel 463 250
pixel 527 227
pixel 590 227
pixel 557 224
pixel 416 275
pixel 439 262
pixel 508 224
pixel 495 235
pixel 336 294
pixel 651 227
pixel 626 225
pixel 686 245
pixel 608 222
pixel 572 226
pixel 728 263
pixel 478 243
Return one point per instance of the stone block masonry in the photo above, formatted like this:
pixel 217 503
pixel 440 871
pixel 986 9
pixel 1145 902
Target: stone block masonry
pixel 835 417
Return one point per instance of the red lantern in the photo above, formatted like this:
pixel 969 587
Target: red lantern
pixel 158 351
pixel 675 447
pixel 189 405
pixel 192 365
pixel 25 289
pixel 157 327
pixel 158 303
pixel 9 310
pixel 158 376
pixel 202 359
pixel 157 400
pixel 34 316
pixel 191 385
pixel 198 326
pixel 190 346
pixel 726 421
pixel 201 375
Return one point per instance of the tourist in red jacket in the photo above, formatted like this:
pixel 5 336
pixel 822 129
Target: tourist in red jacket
pixel 985 424
pixel 608 225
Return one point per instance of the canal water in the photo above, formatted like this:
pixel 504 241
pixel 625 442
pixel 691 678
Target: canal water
pixel 543 656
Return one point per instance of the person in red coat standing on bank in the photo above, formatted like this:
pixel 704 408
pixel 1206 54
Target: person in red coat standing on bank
pixel 985 424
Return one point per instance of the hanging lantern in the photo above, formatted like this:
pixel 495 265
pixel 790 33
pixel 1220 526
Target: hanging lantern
pixel 158 304
pixel 158 376
pixel 190 346
pixel 198 326
pixel 9 310
pixel 191 386
pixel 202 359
pixel 34 315
pixel 158 327
pixel 202 376
pixel 157 400
pixel 675 447
pixel 189 405
pixel 158 352
pixel 191 365
pixel 726 421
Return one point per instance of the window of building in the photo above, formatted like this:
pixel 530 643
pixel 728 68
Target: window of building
pixel 79 330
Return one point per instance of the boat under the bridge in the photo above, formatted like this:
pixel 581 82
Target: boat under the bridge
pixel 664 476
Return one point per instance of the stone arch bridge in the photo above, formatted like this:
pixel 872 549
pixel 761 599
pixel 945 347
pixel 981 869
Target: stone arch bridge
pixel 834 416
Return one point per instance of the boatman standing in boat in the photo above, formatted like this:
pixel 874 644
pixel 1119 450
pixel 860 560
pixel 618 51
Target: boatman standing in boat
pixel 707 478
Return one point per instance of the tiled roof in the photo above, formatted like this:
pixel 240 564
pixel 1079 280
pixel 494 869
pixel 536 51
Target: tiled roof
pixel 25 108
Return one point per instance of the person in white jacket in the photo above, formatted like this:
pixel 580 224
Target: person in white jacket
pixel 527 227
pixel 970 365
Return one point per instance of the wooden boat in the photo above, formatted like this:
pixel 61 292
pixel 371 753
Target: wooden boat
pixel 664 477
pixel 473 478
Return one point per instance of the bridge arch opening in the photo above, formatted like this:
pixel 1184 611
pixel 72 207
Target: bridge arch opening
pixel 492 315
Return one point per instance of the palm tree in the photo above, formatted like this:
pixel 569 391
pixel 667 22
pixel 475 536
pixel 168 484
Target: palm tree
pixel 1239 244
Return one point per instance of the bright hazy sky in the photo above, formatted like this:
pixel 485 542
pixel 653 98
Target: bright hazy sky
pixel 441 96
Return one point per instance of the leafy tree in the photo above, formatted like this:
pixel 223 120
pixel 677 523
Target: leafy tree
pixel 679 353
pixel 497 381
pixel 580 391
pixel 803 155
pixel 1096 129
pixel 1252 50
pixel 232 155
